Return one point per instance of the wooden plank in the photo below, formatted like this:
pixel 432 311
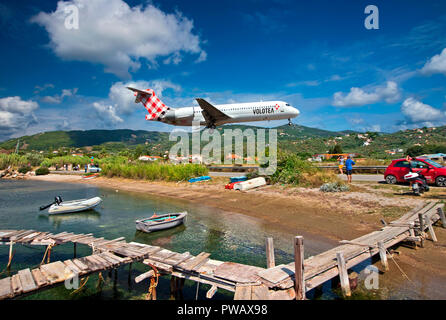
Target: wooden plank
pixel 178 258
pixel 431 230
pixel 39 278
pixel 5 288
pixel 277 274
pixel 103 262
pixel 80 265
pixel 383 255
pixel 343 275
pixel 243 293
pixel 158 265
pixel 92 263
pixel 238 273
pixel 114 257
pixel 259 292
pixel 442 217
pixel 270 259
pixel 210 293
pixel 70 264
pixel 56 272
pixel 16 284
pixel 110 260
pixel 195 262
pixel 27 281
pixel 299 279
pixel 144 275
pixel 18 237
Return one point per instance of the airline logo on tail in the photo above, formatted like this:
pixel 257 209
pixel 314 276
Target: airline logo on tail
pixel 155 107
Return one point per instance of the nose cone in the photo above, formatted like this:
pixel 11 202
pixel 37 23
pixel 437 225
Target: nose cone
pixel 294 111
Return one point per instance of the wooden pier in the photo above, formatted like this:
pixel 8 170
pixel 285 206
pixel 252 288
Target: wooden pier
pixel 284 282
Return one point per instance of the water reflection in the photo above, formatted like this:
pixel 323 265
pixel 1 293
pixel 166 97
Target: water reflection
pixel 58 219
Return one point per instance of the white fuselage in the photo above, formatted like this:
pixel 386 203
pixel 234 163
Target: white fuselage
pixel 238 112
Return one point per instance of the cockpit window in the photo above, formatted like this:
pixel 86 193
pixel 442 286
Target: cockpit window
pixel 287 105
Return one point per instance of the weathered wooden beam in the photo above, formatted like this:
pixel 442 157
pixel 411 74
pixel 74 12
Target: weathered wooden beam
pixel 421 221
pixel 343 275
pixel 299 281
pixel 211 292
pixel 442 217
pixel 383 255
pixel 431 230
pixel 270 259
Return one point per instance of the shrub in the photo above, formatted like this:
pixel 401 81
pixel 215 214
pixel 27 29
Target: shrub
pixel 42 171
pixel 291 169
pixel 24 169
pixel 334 187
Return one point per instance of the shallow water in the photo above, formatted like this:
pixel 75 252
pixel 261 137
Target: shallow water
pixel 227 236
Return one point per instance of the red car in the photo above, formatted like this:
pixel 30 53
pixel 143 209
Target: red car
pixel 433 171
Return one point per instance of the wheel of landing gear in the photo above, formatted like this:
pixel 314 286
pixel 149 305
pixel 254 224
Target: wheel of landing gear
pixel 390 179
pixel 440 181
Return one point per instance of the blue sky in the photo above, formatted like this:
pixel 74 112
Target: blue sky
pixel 316 55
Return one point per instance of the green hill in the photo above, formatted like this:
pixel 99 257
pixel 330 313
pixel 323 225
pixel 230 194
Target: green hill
pixel 298 139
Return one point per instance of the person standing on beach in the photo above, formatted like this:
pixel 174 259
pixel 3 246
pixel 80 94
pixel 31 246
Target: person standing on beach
pixel 349 163
pixel 341 164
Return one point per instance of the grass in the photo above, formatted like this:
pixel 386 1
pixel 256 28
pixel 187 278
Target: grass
pixel 153 171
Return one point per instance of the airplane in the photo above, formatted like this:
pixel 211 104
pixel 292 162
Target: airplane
pixel 210 115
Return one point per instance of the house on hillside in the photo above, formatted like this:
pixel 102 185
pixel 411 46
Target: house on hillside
pixel 149 158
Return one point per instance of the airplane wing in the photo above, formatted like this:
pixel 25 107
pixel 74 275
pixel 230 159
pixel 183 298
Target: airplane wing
pixel 210 113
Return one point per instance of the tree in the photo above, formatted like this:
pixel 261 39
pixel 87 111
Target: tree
pixel 336 149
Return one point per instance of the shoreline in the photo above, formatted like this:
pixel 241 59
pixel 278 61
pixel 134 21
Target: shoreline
pixel 333 216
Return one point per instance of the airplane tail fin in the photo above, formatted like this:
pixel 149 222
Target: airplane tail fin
pixel 155 107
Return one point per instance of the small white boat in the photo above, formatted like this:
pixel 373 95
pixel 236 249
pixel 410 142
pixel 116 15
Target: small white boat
pixel 161 222
pixel 74 205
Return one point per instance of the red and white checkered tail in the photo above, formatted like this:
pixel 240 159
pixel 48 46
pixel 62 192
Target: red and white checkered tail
pixel 155 107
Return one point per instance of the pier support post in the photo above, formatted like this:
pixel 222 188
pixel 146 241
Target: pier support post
pixel 442 217
pixel 129 279
pixel 343 275
pixel 383 255
pixel 431 230
pixel 299 281
pixel 270 259
pixel 173 287
pixel 74 249
pixel 421 220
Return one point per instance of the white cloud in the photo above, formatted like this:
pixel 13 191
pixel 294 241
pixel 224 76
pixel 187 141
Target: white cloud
pixel 436 64
pixel 15 115
pixel 359 97
pixel 416 111
pixel 107 113
pixel 124 101
pixel 59 97
pixel 117 36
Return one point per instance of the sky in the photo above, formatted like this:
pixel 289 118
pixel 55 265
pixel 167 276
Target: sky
pixel 65 64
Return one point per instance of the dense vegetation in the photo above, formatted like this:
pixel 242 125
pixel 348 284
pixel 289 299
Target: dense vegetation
pixel 291 169
pixel 153 171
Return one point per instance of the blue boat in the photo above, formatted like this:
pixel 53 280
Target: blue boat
pixel 238 179
pixel 198 179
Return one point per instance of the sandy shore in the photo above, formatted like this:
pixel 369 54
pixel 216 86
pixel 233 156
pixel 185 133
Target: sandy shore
pixel 333 215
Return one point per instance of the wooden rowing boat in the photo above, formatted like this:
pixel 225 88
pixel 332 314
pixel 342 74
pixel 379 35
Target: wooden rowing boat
pixel 161 222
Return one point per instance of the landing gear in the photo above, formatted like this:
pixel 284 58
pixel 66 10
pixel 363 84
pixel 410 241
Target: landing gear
pixel 290 123
pixel 211 128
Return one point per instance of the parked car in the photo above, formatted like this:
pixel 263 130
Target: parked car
pixel 93 169
pixel 434 172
